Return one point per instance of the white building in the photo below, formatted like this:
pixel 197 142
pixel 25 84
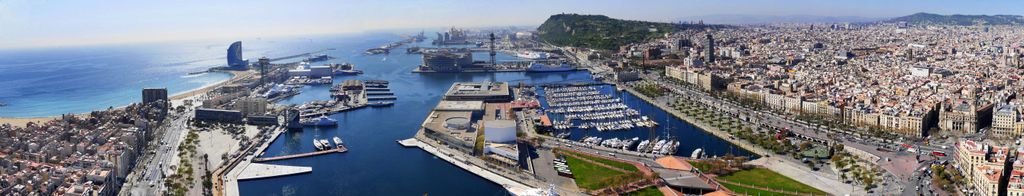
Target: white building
pixel 500 131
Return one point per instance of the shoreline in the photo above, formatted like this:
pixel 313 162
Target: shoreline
pixel 178 97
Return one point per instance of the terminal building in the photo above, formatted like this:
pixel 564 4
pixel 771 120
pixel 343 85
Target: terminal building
pixel 446 61
pixel 452 123
pixel 473 111
pixel 316 71
pixel 479 91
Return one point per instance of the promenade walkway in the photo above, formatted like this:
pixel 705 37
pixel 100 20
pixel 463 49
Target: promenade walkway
pixel 258 170
pixel 819 180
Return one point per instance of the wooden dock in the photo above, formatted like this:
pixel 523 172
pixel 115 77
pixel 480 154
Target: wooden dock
pixel 308 154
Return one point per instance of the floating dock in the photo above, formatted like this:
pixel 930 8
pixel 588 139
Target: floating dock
pixel 258 171
pixel 308 154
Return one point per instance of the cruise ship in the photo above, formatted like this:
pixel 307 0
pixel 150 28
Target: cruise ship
pixel 532 55
pixel 540 67
pixel 319 122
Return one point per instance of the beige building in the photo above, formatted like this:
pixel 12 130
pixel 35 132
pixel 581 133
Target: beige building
pixel 983 167
pixel 1007 120
pixel 251 106
pixel 964 116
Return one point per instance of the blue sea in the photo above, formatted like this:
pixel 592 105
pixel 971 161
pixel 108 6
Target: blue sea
pixel 49 82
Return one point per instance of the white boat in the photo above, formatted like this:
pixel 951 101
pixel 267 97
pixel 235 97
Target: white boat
pixel 643 145
pixel 316 143
pixel 326 144
pixel 321 121
pixel 696 153
pixel 337 141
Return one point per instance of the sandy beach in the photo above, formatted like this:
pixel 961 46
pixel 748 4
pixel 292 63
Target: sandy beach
pixel 176 99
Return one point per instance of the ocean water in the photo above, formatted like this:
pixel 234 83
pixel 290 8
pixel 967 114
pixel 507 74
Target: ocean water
pixel 54 81
pixel 48 82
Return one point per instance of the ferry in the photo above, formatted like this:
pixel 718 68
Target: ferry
pixel 319 122
pixel 337 141
pixel 540 67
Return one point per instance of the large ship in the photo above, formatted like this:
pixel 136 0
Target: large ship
pixel 540 67
pixel 318 58
pixel 532 55
pixel 345 69
pixel 319 122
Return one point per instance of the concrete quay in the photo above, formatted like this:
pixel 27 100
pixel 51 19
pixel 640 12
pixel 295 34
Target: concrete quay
pixel 230 178
pixel 259 170
pixel 507 183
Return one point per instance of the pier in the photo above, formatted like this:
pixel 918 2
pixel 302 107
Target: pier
pixel 308 154
pixel 391 97
pixel 258 171
pixel 299 55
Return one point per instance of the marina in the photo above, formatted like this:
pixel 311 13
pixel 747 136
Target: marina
pixel 586 108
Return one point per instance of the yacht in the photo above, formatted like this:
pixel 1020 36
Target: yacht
pixel 325 143
pixel 322 121
pixel 337 141
pixel 316 143
pixel 696 153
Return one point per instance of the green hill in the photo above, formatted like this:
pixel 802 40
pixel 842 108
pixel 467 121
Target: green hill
pixel 956 19
pixel 598 31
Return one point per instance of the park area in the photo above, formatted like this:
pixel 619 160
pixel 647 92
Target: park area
pixel 596 173
pixel 760 181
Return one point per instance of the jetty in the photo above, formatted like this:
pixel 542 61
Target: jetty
pixel 258 171
pixel 340 149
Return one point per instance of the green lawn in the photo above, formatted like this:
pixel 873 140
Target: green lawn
pixel 617 164
pixel 767 178
pixel 748 191
pixel 588 175
pixel 649 191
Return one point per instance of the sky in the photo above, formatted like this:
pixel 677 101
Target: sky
pixel 50 23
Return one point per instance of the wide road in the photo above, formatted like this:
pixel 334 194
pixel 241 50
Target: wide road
pixel 164 154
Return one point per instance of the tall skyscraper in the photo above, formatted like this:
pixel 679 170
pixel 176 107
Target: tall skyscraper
pixel 264 63
pixel 150 95
pixel 235 60
pixel 709 55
